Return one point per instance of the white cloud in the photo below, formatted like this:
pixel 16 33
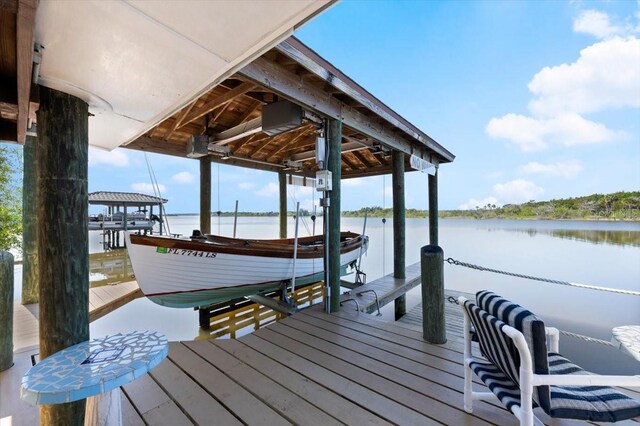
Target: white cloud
pixel 517 191
pixel 147 188
pixel 246 185
pixel 115 158
pixel 595 23
pixel 473 203
pixel 604 76
pixel 387 193
pixel 271 189
pixel 565 169
pixel 535 134
pixel 183 177
pixel 298 191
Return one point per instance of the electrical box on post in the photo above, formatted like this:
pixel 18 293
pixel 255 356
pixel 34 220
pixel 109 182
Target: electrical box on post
pixel 323 180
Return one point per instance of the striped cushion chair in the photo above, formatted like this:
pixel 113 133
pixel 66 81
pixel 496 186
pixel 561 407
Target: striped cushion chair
pixel 511 338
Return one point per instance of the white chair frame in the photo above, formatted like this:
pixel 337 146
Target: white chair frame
pixel 528 380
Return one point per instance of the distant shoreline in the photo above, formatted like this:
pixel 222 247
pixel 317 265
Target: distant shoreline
pixel 446 215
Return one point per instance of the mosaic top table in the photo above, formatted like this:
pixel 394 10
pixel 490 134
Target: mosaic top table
pixel 627 339
pixel 95 370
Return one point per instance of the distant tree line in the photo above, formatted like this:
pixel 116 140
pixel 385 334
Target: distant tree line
pixel 615 206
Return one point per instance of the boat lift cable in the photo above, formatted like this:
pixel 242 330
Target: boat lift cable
pixel 452 261
pixel 156 191
pixel 582 337
pixel 219 200
pixel 384 222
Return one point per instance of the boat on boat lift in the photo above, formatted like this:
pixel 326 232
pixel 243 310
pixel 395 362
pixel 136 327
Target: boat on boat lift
pixel 206 269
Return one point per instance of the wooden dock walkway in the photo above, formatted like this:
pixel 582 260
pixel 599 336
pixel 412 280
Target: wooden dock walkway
pixel 452 313
pixel 387 289
pixel 102 300
pixel 311 368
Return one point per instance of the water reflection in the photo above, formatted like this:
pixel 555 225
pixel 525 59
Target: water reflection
pixel 621 238
pixel 109 268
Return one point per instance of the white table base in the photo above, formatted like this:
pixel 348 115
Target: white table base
pixel 104 409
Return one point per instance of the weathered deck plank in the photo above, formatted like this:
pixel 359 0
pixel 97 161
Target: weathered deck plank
pixel 387 288
pixel 102 300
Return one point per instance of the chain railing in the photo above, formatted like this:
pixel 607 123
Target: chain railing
pixel 452 261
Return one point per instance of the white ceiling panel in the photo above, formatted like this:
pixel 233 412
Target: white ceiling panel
pixel 136 63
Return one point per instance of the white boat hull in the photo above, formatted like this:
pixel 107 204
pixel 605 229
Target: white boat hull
pixel 188 278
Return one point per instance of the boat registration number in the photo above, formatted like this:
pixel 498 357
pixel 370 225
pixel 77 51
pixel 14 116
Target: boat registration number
pixel 185 252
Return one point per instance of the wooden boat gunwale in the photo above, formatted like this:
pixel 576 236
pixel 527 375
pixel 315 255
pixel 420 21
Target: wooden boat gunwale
pixel 280 248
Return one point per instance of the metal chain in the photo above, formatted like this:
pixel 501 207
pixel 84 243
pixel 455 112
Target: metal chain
pixel 452 261
pixel 453 300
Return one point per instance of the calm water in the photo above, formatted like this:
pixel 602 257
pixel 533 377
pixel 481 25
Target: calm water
pixel 600 253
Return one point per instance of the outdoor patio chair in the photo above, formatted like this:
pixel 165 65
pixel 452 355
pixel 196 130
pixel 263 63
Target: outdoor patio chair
pixel 520 371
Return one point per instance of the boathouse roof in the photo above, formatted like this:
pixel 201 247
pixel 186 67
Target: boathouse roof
pixel 161 101
pixel 105 198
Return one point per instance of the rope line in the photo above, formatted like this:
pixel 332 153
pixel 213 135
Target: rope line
pixel 453 300
pixel 452 261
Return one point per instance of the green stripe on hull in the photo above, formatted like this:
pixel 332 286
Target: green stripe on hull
pixel 209 297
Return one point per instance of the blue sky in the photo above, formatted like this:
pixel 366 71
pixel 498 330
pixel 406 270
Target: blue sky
pixel 537 100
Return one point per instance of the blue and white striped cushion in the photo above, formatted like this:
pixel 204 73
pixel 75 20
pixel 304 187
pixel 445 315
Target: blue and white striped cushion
pixel 504 388
pixel 593 403
pixel 530 326
pixel 496 346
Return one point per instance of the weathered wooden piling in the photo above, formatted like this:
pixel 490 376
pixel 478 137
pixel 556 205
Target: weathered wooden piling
pixel 29 228
pixel 433 209
pixel 334 164
pixel 400 304
pixel 282 180
pixel 433 322
pixel 432 264
pixel 205 196
pixel 63 212
pixel 6 310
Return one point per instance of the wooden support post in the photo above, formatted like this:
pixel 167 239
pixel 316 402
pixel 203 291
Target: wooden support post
pixel 334 165
pixel 6 310
pixel 432 268
pixel 433 209
pixel 400 304
pixel 205 195
pixel 204 318
pixel 63 212
pixel 282 179
pixel 29 228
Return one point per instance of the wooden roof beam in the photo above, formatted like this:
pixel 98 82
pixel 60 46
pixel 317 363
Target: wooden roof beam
pixel 178 121
pixel 364 160
pixel 254 106
pixel 297 51
pixel 349 163
pixel 305 131
pixel 25 24
pixel 221 100
pixel 290 86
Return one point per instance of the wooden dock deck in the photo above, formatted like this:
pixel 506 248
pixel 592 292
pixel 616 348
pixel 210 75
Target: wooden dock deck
pixel 387 289
pixel 102 300
pixel 312 368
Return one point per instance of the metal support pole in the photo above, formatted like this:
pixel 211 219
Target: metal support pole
pixel 29 228
pixel 282 180
pixel 334 164
pixel 399 230
pixel 205 196
pixel 6 310
pixel 63 213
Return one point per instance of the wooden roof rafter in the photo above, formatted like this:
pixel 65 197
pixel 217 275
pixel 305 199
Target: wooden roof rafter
pixel 229 96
